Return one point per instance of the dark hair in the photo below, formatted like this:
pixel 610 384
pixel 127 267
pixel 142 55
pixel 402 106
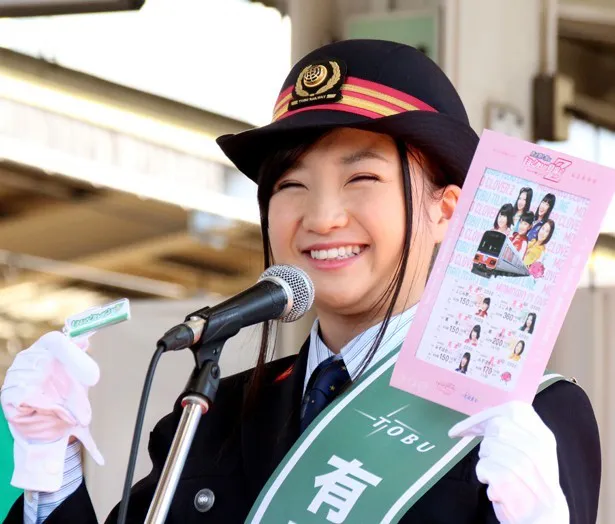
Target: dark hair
pixel 551 230
pixel 477 329
pixel 522 342
pixel 290 149
pixel 487 301
pixel 464 367
pixel 530 330
pixel 527 217
pixel 529 193
pixel 508 211
pixel 549 198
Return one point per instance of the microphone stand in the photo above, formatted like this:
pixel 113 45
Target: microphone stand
pixel 196 400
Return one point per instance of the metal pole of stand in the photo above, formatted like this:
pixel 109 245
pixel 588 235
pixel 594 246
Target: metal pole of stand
pixel 198 397
pixel 194 408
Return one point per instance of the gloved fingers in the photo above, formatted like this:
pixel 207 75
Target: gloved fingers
pixel 40 428
pixel 25 372
pixel 84 435
pixel 503 464
pixel 503 418
pixel 539 451
pixel 52 412
pixel 503 516
pixel 512 501
pixel 76 361
pixel 74 410
pixel 30 360
pixel 475 425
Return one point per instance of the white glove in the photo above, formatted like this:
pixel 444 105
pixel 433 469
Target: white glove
pixel 518 462
pixel 45 401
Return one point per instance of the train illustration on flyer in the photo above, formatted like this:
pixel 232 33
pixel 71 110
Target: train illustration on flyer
pixel 524 227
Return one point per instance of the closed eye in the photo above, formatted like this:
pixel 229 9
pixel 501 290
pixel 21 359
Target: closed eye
pixel 287 184
pixel 364 177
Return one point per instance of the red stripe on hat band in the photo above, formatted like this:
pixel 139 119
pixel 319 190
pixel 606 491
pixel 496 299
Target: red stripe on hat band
pixel 371 92
pixel 333 107
pixel 389 91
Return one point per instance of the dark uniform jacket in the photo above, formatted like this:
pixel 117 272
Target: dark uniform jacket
pixel 234 455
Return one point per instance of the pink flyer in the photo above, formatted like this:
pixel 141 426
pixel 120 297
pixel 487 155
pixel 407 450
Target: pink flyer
pixel 523 230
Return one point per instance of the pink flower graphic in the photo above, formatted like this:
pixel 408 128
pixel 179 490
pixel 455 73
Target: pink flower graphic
pixel 506 376
pixel 537 269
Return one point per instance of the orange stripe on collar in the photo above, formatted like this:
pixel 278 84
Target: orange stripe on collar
pixel 285 374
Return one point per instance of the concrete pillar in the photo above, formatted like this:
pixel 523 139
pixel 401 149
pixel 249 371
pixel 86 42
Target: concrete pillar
pixel 312 25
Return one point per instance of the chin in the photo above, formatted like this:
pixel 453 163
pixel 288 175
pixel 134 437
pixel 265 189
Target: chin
pixel 348 303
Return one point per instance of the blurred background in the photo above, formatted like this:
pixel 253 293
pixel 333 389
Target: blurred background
pixel 111 184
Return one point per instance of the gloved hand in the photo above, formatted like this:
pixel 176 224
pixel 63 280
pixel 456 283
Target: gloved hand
pixel 45 401
pixel 518 462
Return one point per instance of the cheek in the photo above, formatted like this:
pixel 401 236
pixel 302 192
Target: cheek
pixel 382 214
pixel 281 227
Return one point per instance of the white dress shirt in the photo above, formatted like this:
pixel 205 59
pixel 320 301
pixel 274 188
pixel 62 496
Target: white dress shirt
pixel 356 350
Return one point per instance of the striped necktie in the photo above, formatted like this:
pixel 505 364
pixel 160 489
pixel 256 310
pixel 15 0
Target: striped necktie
pixel 324 385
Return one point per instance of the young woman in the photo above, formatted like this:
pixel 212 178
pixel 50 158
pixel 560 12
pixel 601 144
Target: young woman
pixel 504 219
pixel 519 239
pixel 537 247
pixel 518 351
pixel 529 323
pixel 483 308
pixel 474 336
pixel 465 362
pixel 358 176
pixel 543 212
pixel 524 201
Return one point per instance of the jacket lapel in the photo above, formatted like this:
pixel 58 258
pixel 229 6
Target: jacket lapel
pixel 272 426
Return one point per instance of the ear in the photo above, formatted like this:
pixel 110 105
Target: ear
pixel 443 211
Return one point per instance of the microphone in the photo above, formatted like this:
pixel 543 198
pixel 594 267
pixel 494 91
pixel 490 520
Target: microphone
pixel 282 292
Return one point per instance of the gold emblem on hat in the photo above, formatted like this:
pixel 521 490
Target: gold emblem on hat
pixel 314 75
pixel 318 83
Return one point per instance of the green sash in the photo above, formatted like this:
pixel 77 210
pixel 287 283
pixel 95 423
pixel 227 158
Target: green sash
pixel 8 494
pixel 368 457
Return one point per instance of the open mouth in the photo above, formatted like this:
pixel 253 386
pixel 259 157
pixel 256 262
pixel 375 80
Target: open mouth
pixel 337 253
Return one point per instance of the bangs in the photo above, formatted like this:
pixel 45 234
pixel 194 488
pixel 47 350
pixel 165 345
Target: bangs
pixel 287 153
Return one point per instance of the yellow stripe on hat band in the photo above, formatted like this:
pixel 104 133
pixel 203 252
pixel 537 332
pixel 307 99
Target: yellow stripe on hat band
pixel 351 101
pixel 282 103
pixel 380 96
pixel 281 108
pixel 370 106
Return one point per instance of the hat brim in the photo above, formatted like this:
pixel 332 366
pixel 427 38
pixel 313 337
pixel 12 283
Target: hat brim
pixel 445 140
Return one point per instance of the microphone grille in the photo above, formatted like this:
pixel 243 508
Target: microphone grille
pixel 301 287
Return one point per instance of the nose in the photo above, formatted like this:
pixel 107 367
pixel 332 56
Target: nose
pixel 324 213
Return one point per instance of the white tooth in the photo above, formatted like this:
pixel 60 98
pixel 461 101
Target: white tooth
pixel 314 253
pixel 332 253
pixel 341 251
pixel 322 254
pixel 356 250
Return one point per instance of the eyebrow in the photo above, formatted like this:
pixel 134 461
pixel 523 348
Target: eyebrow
pixel 363 154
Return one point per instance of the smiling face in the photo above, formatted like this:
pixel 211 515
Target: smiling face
pixel 502 221
pixel 543 208
pixel 521 201
pixel 339 214
pixel 524 227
